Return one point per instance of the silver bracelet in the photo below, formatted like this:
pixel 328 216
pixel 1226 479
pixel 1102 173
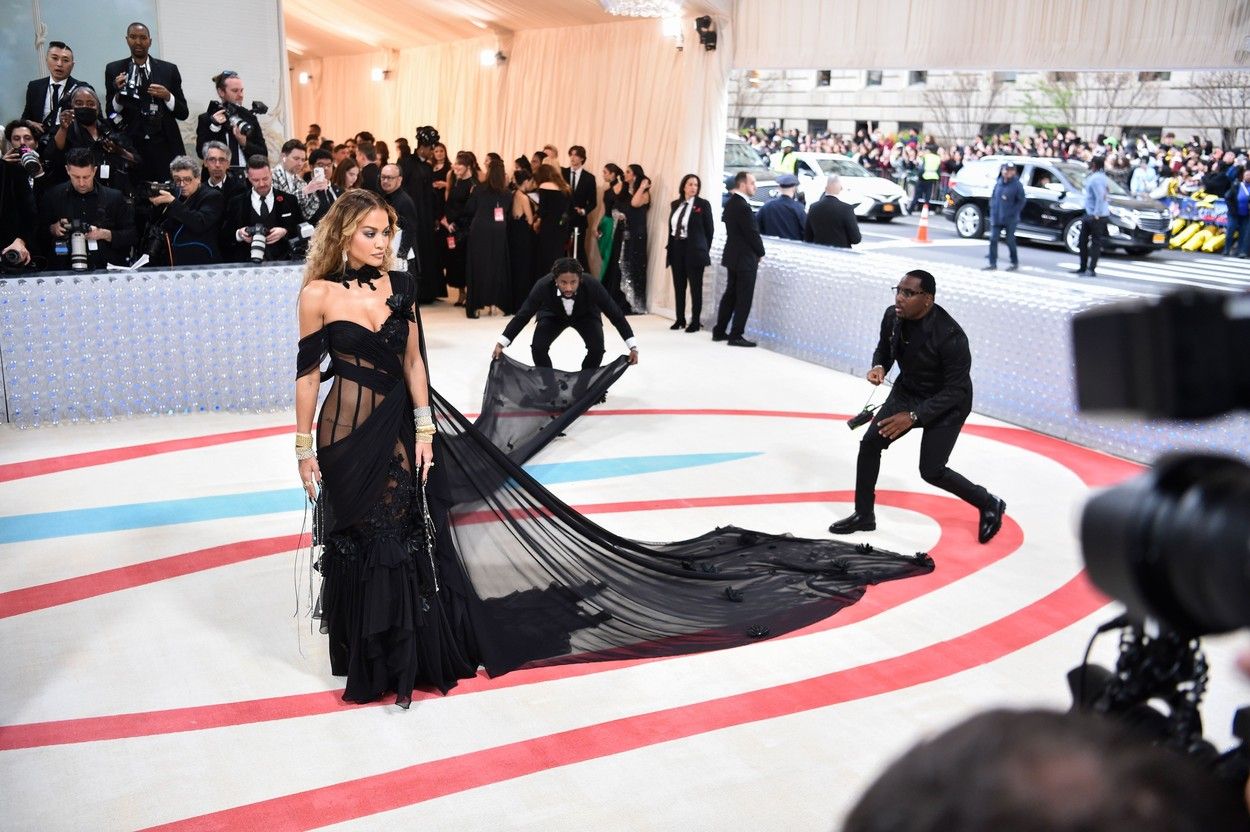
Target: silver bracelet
pixel 307 453
pixel 425 411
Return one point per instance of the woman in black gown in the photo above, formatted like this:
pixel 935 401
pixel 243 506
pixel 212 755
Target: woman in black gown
pixel 521 238
pixel 441 181
pixel 439 554
pixel 554 228
pixel 634 250
pixel 455 221
pixel 488 273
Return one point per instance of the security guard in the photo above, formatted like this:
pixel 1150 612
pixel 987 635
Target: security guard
pixel 930 173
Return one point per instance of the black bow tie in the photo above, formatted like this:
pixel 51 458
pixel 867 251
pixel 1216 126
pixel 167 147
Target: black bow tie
pixel 364 276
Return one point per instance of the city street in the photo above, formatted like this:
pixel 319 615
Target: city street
pixel 1158 273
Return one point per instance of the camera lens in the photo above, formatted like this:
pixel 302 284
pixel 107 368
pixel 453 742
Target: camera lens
pixel 1174 544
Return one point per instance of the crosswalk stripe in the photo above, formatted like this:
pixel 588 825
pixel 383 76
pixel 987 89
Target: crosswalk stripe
pixel 1114 271
pixel 1177 272
pixel 1235 276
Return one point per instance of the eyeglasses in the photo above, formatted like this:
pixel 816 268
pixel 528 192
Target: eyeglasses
pixel 908 293
pixel 388 178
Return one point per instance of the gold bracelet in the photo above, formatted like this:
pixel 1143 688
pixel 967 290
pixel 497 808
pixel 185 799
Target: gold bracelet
pixel 425 440
pixel 303 440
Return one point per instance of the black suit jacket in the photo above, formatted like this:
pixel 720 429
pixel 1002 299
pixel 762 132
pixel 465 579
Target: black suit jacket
pixel 240 214
pixel 700 229
pixel 743 246
pixel 406 210
pixel 193 227
pixel 371 179
pixel 231 186
pixel 935 365
pixel 37 93
pixel 590 302
pixel 831 222
pixel 159 72
pixel 205 133
pixel 17 207
pixel 585 196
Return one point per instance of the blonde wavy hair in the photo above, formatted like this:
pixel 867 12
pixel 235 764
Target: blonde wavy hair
pixel 327 254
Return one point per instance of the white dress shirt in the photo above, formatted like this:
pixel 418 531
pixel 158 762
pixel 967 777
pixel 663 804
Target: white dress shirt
pixel 675 223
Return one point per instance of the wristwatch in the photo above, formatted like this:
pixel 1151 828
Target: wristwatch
pixel 914 417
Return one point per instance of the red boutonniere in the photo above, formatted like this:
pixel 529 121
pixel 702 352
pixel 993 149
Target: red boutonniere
pixel 279 197
pixel 698 210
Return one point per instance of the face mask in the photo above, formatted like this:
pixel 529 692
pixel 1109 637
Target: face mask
pixel 85 116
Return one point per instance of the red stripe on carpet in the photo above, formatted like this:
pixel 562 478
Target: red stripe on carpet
pixel 367 796
pixel 956 552
pixel 53 464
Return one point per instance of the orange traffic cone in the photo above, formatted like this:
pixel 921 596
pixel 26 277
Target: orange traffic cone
pixel 922 230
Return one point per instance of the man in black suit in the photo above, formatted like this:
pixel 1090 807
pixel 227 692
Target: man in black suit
pixel 263 205
pixel 370 176
pixel 743 251
pixel 145 98
pixel 393 192
pixel 831 222
pixel 17 211
pixel 418 180
pixel 242 139
pixel 690 232
pixel 933 392
pixel 106 213
pixel 585 197
pixel 46 97
pixel 190 223
pixel 568 298
pixel 216 173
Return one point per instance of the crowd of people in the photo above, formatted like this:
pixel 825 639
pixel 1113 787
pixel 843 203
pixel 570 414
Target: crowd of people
pixel 89 180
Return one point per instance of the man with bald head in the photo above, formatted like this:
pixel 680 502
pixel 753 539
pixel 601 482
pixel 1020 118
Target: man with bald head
pixel 392 181
pixel 831 222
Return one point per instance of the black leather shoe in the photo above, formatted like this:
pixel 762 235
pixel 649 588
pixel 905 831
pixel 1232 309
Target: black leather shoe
pixel 678 324
pixel 718 336
pixel 740 342
pixel 1082 273
pixel 991 520
pixel 1013 267
pixel 855 523
pixel 694 327
pixel 989 268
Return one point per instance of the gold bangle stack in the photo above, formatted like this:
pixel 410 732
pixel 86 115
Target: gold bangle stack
pixel 304 446
pixel 425 433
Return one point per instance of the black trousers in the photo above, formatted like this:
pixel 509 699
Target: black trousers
pixel 936 444
pixel 548 329
pixel 686 275
pixel 1093 232
pixel 735 304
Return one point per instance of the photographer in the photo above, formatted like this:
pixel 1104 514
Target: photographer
pixel 265 206
pixel 17 210
pixel 187 227
pixel 146 101
pixel 229 122
pixel 81 212
pixel 21 152
pixel 319 187
pixel 45 97
pixel 80 125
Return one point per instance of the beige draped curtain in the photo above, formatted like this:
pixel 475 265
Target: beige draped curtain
pixel 620 89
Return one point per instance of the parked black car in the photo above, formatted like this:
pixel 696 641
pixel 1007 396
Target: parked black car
pixel 1053 206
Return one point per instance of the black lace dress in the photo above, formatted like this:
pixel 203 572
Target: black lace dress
pixel 486 567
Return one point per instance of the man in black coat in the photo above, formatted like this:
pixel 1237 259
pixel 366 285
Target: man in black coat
pixel 190 224
pixel 17 212
pixel 104 210
pixel 585 197
pixel 568 298
pixel 46 97
pixel 690 232
pixel 393 192
pixel 933 392
pixel 743 251
pixel 243 139
pixel 418 180
pixel 145 97
pixel 262 204
pixel 370 175
pixel 831 222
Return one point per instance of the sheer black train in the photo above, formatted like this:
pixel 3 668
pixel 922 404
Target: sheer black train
pixel 512 576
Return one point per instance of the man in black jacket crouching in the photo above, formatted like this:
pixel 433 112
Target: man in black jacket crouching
pixel 933 392
pixel 189 225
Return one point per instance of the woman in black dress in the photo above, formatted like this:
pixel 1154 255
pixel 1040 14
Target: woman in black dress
pixel 521 237
pixel 410 599
pixel 455 221
pixel 488 273
pixel 634 251
pixel 441 181
pixel 554 199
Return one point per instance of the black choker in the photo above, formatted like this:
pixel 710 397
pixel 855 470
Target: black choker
pixel 364 276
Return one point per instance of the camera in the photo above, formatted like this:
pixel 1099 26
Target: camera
pixel 136 85
pixel 78 230
pixel 30 162
pixel 12 261
pixel 236 115
pixel 861 418
pixel 1172 545
pixel 257 233
pixel 155 188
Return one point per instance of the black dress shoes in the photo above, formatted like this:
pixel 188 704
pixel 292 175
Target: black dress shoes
pixel 1013 267
pixel 855 523
pixel 719 336
pixel 740 342
pixel 991 520
pixel 678 324
pixel 694 327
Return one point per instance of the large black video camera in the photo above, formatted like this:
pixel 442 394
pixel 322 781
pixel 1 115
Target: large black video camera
pixel 1172 545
